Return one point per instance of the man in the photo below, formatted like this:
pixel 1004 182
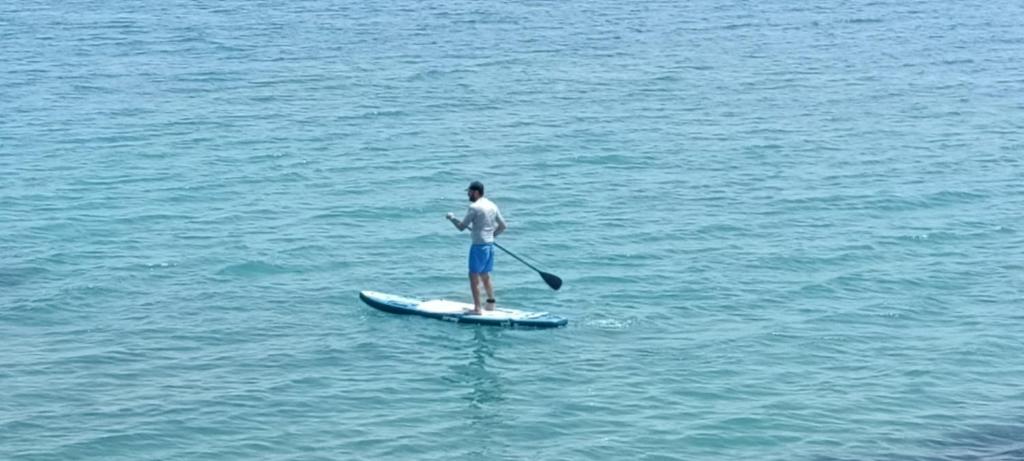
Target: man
pixel 485 222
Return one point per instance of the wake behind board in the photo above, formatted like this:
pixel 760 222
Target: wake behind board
pixel 456 312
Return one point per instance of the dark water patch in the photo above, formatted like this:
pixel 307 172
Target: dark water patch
pixel 19 275
pixel 724 229
pixel 980 442
pixel 808 263
pixel 956 61
pixel 923 202
pixel 865 20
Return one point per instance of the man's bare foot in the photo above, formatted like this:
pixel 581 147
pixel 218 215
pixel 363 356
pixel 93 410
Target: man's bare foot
pixel 472 312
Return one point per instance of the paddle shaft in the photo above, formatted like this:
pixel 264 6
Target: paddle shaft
pixel 553 281
pixel 517 257
pixel 512 254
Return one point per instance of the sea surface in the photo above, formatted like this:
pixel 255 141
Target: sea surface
pixel 788 230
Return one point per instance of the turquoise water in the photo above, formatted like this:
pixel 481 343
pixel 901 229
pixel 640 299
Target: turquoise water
pixel 787 232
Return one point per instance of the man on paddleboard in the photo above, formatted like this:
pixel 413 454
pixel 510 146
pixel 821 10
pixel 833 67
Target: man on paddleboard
pixel 485 222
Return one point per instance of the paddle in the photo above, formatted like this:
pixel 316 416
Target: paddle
pixel 551 279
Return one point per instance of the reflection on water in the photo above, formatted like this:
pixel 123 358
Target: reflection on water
pixel 485 381
pixel 990 442
pixel 486 414
pixel 480 376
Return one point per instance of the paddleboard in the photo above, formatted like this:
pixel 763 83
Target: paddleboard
pixel 453 311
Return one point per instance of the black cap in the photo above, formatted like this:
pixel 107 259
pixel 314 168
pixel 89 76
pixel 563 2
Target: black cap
pixel 477 186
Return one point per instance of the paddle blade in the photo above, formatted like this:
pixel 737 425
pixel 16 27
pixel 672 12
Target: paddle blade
pixel 552 280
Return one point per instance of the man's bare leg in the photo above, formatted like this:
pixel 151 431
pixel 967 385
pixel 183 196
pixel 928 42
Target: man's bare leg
pixel 474 286
pixel 486 278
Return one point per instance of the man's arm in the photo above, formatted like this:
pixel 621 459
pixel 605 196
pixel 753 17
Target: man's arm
pixel 461 225
pixel 501 225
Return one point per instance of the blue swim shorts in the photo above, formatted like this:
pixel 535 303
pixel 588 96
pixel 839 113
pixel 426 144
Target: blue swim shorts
pixel 481 258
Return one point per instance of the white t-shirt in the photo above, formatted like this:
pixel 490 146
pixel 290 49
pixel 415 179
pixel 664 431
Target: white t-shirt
pixel 483 217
